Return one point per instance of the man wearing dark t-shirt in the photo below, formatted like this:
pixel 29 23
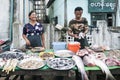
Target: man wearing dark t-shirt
pixel 78 28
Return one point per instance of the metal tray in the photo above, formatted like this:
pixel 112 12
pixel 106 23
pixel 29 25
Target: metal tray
pixel 31 64
pixel 64 53
pixel 61 63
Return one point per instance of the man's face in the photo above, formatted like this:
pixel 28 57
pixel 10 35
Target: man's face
pixel 78 13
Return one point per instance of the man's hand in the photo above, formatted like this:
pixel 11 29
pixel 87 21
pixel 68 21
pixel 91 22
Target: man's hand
pixel 81 35
pixel 76 36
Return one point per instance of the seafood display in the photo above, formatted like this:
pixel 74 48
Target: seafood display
pixel 46 55
pixel 31 63
pixel 12 55
pixel 104 69
pixel 60 60
pixel 111 61
pixel 10 65
pixel 97 48
pixel 80 66
pixel 100 55
pixel 92 59
pixel 2 62
pixel 88 60
pixel 115 53
pixel 61 63
pixel 37 49
pixel 64 53
pixel 82 52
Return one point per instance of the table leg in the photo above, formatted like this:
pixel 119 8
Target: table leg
pixel 7 77
pixel 59 78
pixel 77 76
pixel 21 77
pixel 15 78
pixel 92 75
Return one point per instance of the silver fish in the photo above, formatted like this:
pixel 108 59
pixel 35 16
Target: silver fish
pixel 80 66
pixel 104 68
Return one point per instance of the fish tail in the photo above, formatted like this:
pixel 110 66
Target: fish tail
pixel 111 77
pixel 86 77
pixel 82 76
pixel 105 69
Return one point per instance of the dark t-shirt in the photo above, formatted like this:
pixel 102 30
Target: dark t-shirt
pixel 74 25
pixel 76 28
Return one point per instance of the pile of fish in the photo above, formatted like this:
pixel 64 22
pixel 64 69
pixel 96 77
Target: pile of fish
pixel 11 55
pixel 61 63
pixel 112 61
pixel 2 62
pixel 87 57
pixel 27 63
pixel 10 65
pixel 114 53
pixel 9 60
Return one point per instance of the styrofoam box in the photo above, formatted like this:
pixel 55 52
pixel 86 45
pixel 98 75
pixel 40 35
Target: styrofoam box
pixel 59 46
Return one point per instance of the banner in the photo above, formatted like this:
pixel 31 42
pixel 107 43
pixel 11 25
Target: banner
pixel 102 5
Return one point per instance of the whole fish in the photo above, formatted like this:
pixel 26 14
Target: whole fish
pixel 80 66
pixel 88 61
pixel 103 67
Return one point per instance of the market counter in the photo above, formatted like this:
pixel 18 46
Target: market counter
pixel 45 70
pixel 93 72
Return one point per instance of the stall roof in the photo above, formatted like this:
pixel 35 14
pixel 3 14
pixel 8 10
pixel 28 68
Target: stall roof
pixel 49 3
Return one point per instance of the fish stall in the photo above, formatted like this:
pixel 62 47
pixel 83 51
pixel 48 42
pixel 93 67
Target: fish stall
pixel 59 61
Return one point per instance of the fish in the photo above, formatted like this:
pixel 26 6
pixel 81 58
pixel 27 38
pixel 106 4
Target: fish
pixel 80 66
pixel 104 68
pixel 88 61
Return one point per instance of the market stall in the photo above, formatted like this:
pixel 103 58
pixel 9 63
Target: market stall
pixel 94 72
pixel 55 70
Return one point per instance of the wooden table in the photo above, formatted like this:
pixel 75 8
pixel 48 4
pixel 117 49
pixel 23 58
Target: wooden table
pixel 45 72
pixel 94 74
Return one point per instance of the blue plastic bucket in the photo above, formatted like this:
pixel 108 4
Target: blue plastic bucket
pixel 59 46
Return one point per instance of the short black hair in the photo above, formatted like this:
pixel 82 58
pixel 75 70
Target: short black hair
pixel 31 13
pixel 78 9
